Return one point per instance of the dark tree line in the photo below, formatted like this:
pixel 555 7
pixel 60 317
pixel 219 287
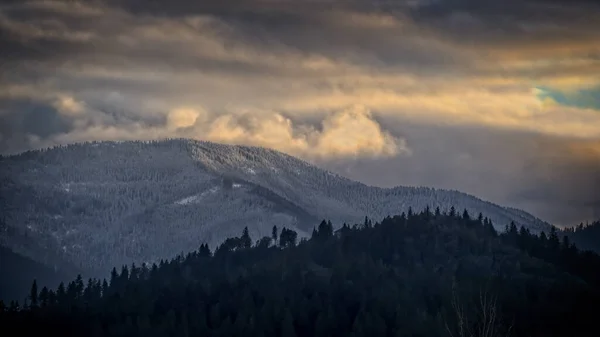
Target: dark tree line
pixel 585 236
pixel 415 274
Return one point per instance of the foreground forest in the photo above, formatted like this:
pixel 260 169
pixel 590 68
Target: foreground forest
pixel 416 274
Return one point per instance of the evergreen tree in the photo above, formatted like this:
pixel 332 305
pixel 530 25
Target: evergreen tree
pixel 61 294
pixel 427 212
pixel 204 250
pixel 114 276
pixel 553 241
pixel 33 294
pixel 79 286
pixel 105 287
pixel 466 215
pixel 246 241
pixel 325 230
pixel 44 297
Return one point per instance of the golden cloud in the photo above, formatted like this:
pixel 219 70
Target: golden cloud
pixel 348 132
pixel 182 117
pixel 67 105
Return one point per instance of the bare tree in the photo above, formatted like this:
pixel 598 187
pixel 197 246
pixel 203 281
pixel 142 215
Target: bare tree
pixel 486 322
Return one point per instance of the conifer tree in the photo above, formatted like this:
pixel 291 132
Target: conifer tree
pixel 44 297
pixel 33 294
pixel 246 241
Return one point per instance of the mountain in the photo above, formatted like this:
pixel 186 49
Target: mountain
pixel 18 272
pixel 101 204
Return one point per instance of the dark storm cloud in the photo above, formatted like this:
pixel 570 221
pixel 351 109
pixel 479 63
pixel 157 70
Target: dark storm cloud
pixel 22 119
pixel 31 33
pixel 310 27
pixel 337 29
pixel 342 30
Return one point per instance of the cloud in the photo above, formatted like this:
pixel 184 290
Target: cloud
pixel 182 118
pixel 68 106
pixel 354 132
pixel 351 132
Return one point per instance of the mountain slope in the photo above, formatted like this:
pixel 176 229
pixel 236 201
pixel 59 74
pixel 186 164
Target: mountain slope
pixel 18 273
pixel 102 204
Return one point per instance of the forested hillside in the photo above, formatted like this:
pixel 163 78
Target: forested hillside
pixel 585 236
pixel 426 274
pixel 95 205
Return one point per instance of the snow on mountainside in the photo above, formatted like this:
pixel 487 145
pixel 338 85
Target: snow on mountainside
pixel 102 204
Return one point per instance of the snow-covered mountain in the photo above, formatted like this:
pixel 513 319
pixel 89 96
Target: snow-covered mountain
pixel 102 204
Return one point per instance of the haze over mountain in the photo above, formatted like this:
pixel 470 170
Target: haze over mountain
pixel 18 272
pixel 97 205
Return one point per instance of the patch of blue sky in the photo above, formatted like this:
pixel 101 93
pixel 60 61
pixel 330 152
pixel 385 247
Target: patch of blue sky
pixel 584 98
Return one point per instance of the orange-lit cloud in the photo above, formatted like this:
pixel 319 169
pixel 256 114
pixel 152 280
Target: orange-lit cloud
pixel 350 132
pixel 182 118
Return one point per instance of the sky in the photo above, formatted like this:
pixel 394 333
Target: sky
pixel 500 99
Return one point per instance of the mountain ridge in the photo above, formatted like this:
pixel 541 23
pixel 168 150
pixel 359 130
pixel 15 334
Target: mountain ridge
pixel 99 204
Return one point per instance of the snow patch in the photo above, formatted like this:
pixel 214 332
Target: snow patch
pixel 188 200
pixel 196 198
pixel 237 185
